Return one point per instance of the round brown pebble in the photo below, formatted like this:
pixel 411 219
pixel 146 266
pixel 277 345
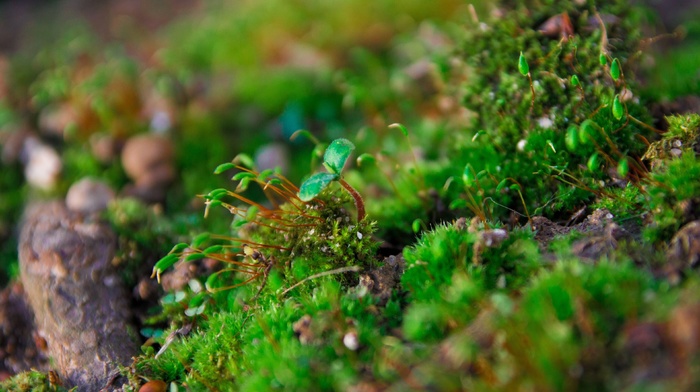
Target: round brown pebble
pixel 89 195
pixel 153 386
pixel 148 160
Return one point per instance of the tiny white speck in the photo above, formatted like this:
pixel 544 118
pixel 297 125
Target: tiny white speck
pixel 521 145
pixel 545 122
pixel 350 341
pixel 359 235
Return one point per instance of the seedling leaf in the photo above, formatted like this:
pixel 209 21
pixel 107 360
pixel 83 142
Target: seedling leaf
pixel 315 184
pixel 337 153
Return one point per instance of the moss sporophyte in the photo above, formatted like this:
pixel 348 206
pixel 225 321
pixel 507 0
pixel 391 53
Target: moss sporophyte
pixel 299 232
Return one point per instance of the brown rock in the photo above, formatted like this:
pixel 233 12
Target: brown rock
pixel 76 295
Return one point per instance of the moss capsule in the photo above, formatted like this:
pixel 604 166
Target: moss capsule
pixel 593 162
pixel 602 59
pixel 615 71
pixel 617 109
pixel 585 134
pixel 468 175
pixel 571 138
pixel 523 67
pixel 623 167
pixel 574 81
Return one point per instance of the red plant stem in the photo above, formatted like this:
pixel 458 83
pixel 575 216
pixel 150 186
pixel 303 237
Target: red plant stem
pixel 359 203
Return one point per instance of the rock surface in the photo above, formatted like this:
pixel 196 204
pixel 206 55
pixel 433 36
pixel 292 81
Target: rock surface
pixel 21 348
pixel 79 303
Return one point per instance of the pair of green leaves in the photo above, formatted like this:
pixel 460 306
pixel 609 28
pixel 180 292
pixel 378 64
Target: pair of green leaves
pixel 334 160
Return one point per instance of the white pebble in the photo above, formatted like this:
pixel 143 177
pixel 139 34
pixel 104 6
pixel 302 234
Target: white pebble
pixel 43 167
pixel 350 341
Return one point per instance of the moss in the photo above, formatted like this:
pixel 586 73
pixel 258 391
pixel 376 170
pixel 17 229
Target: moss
pixel 672 195
pixel 33 381
pixel 526 134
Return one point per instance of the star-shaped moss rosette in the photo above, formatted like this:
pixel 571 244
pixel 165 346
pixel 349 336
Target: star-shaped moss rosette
pixel 334 160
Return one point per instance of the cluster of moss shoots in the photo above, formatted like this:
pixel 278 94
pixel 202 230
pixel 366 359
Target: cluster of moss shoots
pixel 299 226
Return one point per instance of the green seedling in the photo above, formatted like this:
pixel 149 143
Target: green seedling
pixel 334 160
pixel 524 69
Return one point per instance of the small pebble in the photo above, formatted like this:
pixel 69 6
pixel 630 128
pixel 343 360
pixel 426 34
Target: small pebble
pixel 43 167
pixel 103 147
pixel 350 341
pixel 89 195
pixel 148 160
pixel 154 386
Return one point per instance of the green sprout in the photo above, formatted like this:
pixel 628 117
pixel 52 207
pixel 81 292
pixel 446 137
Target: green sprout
pixel 334 160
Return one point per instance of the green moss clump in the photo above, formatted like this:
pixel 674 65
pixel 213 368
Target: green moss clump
pixel 31 381
pixel 672 196
pixel 673 189
pixel 450 272
pixel 525 136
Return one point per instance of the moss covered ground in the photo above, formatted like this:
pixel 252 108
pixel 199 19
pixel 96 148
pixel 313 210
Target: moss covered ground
pixel 529 172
